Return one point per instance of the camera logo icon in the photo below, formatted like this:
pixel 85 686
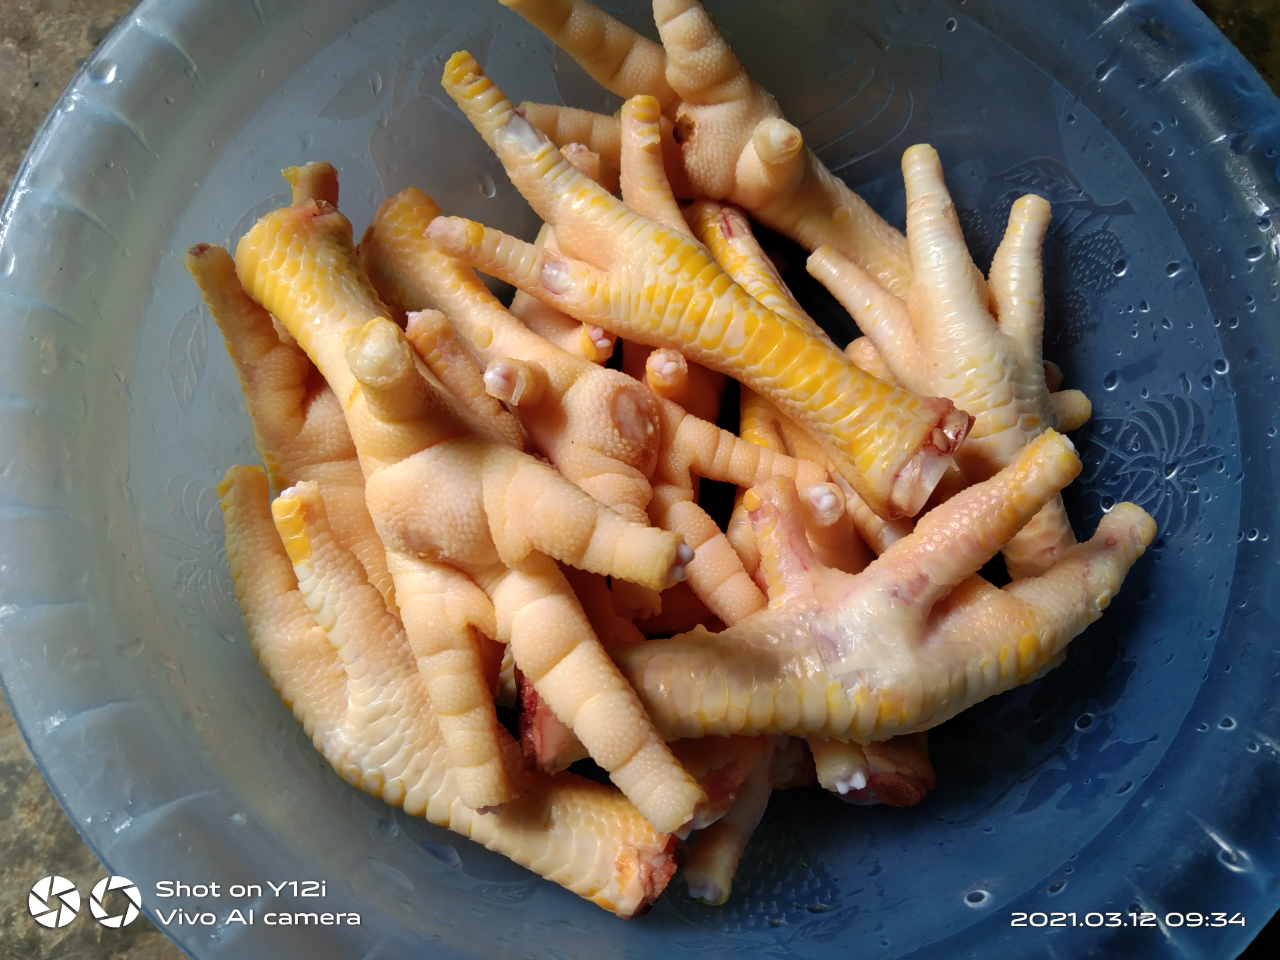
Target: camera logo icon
pixel 128 888
pixel 54 901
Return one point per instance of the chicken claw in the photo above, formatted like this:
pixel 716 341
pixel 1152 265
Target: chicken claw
pixel 656 285
pixel 604 431
pixel 358 694
pixel 298 423
pixel 975 341
pixel 732 139
pixel 907 643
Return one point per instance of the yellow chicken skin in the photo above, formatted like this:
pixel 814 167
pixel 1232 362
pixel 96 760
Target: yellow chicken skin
pixel 974 340
pixel 303 436
pixel 907 643
pixel 604 431
pixel 340 660
pixel 731 139
pixel 298 423
pixel 657 285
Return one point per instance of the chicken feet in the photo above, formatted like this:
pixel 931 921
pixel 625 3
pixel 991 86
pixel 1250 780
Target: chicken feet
pixel 975 341
pixel 654 284
pixel 729 134
pixel 353 685
pixel 907 643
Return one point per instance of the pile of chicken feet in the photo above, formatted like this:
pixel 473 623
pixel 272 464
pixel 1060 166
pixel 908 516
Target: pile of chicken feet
pixel 463 506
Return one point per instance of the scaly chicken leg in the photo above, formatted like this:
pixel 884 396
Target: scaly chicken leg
pixel 656 285
pixel 729 136
pixel 907 643
pixel 354 686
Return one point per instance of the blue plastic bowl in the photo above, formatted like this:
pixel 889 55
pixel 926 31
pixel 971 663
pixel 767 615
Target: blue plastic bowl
pixel 1139 777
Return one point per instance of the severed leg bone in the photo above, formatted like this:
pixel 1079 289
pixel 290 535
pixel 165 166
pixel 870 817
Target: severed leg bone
pixel 656 285
pixel 338 681
pixel 896 772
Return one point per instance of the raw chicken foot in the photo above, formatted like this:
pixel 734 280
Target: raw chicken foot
pixel 976 342
pixel 730 136
pixel 907 643
pixel 651 283
pixel 298 423
pixel 357 692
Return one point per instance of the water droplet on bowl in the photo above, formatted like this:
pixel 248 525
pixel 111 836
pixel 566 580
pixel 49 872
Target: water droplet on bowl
pixel 1252 535
pixel 444 853
pixel 1254 253
pixel 1221 366
pixel 1084 721
pixel 1173 268
pixel 977 898
pixel 1156 126
pixel 1170 471
pixel 1237 861
pixel 1108 504
pixel 7 263
pixel 1227 723
pixel 104 71
pixel 1120 267
pixel 1057 887
pixel 487 186
pixel 951 24
pixel 1111 381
